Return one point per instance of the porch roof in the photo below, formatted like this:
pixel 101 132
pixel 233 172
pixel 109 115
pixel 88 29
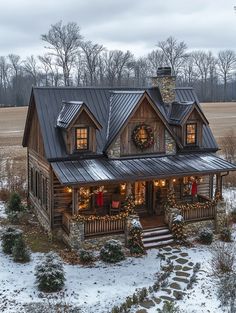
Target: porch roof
pixel 103 170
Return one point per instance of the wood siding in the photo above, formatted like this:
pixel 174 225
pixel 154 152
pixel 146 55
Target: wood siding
pixel 144 114
pixel 37 165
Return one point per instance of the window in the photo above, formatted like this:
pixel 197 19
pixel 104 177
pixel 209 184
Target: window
pixel 191 134
pixel 82 138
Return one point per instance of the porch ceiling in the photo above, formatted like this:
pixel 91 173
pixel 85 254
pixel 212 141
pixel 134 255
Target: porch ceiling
pixel 103 170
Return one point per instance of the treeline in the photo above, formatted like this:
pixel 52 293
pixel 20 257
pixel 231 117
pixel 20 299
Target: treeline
pixel 70 60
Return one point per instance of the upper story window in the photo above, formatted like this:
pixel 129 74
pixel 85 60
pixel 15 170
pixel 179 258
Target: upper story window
pixel 82 138
pixel 191 134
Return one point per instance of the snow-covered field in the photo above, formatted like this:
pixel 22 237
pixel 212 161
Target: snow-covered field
pixel 99 287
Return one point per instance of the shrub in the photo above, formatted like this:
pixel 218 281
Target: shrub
pixel 206 236
pixel 14 203
pixel 223 258
pixel 49 274
pixel 169 307
pixel 85 256
pixel 8 239
pixel 227 291
pixel 233 215
pixel 20 251
pixel 226 234
pixel 14 209
pixel 112 252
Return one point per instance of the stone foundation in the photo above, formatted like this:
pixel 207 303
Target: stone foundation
pixel 193 228
pixel 220 216
pixel 75 238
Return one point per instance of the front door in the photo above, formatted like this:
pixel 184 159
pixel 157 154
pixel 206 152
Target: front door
pixel 159 198
pixel 143 192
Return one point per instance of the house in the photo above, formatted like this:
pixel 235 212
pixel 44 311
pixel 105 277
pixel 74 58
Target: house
pixel 89 148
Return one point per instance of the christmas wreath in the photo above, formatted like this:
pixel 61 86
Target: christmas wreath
pixel 143 136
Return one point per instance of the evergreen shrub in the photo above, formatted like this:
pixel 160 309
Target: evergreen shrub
pixel 112 252
pixel 50 276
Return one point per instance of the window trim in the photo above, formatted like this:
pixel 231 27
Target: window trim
pixel 186 139
pixel 81 127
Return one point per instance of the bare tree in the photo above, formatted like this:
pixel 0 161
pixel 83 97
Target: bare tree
pixel 91 54
pixel 32 69
pixel 228 145
pixel 156 59
pixel 64 43
pixel 174 52
pixel 226 62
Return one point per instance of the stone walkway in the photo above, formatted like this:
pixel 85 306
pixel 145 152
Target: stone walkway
pixel 176 285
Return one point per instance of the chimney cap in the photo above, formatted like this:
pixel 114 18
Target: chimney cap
pixel 164 71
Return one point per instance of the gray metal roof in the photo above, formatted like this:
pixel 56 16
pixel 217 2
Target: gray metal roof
pixel 183 94
pixel 103 170
pixel 105 104
pixel 179 110
pixel 68 112
pixel 125 101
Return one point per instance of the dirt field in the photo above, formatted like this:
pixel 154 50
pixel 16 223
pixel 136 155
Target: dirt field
pixel 222 117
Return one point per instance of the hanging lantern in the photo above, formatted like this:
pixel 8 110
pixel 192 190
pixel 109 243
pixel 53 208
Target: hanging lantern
pixel 68 189
pixel 163 182
pixel 156 183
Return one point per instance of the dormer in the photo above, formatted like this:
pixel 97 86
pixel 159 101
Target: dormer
pixel 78 126
pixel 188 120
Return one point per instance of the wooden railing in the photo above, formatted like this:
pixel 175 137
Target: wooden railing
pixel 100 227
pixel 201 213
pixel 66 218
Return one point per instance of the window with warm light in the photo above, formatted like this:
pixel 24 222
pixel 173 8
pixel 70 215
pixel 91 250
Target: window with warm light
pixel 191 134
pixel 82 138
pixel 140 192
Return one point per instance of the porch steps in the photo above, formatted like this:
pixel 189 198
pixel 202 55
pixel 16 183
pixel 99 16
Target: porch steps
pixel 157 237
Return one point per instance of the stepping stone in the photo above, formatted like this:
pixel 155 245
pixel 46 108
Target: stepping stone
pixel 157 300
pixel 166 290
pixel 184 254
pixel 190 263
pixel 173 257
pixel 175 286
pixel 181 280
pixel 176 251
pixel 167 248
pixel 142 311
pixel 167 298
pixel 177 293
pixel 181 261
pixel 178 268
pixel 178 273
pixel 186 268
pixel 147 304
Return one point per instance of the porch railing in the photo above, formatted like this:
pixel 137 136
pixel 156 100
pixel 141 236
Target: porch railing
pixel 201 213
pixel 101 227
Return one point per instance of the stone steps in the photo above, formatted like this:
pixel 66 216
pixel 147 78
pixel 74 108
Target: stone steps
pixel 157 237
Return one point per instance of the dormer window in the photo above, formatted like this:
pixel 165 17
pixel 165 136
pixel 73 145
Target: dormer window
pixel 191 134
pixel 82 138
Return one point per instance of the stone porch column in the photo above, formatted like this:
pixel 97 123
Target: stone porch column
pixel 76 236
pixel 220 216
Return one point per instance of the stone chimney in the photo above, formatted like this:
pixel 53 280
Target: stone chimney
pixel 166 83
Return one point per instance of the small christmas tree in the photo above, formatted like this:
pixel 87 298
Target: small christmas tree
pixel 135 242
pixel 50 276
pixel 20 251
pixel 14 204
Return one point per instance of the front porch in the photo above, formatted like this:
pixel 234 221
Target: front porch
pixel 150 200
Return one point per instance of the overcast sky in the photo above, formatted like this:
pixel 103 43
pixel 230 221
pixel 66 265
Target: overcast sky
pixel 136 25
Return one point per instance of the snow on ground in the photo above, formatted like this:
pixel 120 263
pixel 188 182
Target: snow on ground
pixel 95 289
pixel 2 210
pixel 229 195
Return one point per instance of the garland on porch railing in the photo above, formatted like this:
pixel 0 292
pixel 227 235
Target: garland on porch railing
pixel 171 202
pixel 129 209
